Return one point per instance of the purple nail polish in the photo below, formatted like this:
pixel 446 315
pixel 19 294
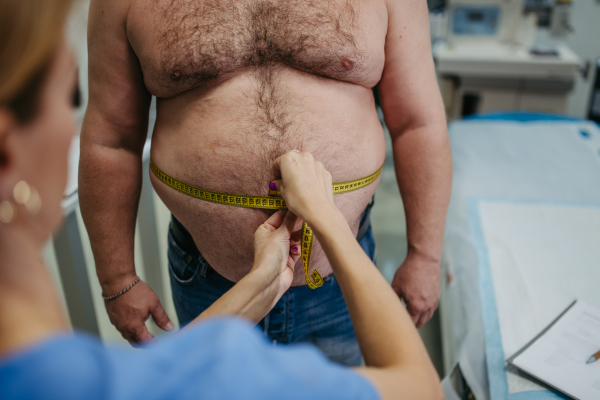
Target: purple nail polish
pixel 295 249
pixel 272 186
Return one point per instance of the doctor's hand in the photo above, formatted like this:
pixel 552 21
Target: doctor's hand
pixel 418 283
pixel 275 253
pixel 277 248
pixel 305 185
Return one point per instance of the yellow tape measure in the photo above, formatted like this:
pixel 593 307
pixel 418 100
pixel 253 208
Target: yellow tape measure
pixel 272 202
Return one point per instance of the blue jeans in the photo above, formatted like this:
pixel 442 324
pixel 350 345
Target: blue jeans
pixel 318 316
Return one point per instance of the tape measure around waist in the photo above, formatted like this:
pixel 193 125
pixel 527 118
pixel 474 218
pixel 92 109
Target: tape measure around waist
pixel 272 202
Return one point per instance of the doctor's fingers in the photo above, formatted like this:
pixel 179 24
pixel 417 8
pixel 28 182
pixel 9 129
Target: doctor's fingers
pixel 291 159
pixel 290 221
pixel 275 221
pixel 328 183
pixel 296 242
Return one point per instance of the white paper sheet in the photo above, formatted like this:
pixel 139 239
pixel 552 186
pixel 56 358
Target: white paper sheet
pixel 559 357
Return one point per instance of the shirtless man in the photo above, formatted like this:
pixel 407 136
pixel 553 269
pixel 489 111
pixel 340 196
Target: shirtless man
pixel 239 83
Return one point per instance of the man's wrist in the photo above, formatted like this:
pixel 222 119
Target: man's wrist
pixel 116 283
pixel 110 297
pixel 423 254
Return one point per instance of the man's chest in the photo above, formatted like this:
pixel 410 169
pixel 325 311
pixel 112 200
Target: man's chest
pixel 184 44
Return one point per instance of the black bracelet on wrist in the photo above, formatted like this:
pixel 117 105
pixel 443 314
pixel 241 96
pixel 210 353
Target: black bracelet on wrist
pixel 114 296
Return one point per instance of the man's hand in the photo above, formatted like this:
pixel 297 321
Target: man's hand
pixel 418 283
pixel 129 312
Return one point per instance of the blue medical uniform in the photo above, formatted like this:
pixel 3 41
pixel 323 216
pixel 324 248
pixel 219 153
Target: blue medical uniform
pixel 224 358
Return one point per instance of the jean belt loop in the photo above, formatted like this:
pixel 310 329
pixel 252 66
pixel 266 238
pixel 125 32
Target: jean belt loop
pixel 203 267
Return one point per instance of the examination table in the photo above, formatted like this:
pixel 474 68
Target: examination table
pixel 522 242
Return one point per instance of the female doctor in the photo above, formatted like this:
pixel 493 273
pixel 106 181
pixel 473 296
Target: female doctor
pixel 219 355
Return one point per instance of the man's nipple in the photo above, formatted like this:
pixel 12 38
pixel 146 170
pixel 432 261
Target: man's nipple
pixel 346 64
pixel 176 75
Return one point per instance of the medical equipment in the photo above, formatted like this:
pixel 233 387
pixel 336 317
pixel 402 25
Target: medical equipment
pixel 484 21
pixel 486 61
pixel 559 25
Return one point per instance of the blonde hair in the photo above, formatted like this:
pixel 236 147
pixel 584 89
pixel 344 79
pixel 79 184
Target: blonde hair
pixel 30 31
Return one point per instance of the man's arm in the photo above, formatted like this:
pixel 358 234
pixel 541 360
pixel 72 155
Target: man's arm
pixel 415 117
pixel 110 173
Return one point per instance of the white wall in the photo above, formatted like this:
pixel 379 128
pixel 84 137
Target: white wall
pixel 585 41
pixel 77 38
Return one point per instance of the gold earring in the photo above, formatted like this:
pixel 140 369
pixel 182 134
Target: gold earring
pixel 7 212
pixel 27 196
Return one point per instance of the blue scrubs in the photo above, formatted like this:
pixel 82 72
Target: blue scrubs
pixel 223 358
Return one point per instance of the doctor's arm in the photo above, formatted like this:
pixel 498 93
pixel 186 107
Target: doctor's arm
pixel 397 362
pixel 414 114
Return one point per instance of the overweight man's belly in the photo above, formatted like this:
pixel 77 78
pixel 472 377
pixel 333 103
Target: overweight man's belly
pixel 226 137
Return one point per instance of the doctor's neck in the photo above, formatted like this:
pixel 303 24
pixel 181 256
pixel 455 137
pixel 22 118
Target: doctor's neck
pixel 30 309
